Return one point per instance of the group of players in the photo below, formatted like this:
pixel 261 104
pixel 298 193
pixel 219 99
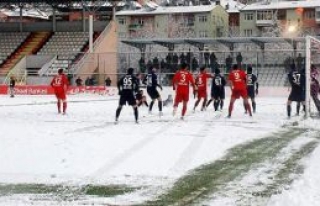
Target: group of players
pixel 242 85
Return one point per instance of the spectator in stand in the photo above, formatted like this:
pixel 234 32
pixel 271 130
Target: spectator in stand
pixel 87 82
pixel 239 59
pixel 300 62
pixel 12 85
pixel 228 63
pixel 79 82
pixel 108 81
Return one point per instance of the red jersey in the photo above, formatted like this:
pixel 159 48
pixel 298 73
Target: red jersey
pixel 182 80
pixel 201 81
pixel 60 83
pixel 238 79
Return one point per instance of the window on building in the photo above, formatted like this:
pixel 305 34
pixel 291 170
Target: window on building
pixel 122 21
pixel 309 15
pixel 318 15
pixel 202 18
pixel 122 35
pixel 248 32
pixel 141 22
pixel 203 34
pixel 281 14
pixel 248 16
pixel 264 15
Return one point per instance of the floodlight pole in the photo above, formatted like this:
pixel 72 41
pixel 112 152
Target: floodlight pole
pixel 90 33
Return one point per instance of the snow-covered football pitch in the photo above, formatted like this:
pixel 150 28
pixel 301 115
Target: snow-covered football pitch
pixel 83 158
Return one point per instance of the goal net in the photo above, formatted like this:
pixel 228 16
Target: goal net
pixel 312 64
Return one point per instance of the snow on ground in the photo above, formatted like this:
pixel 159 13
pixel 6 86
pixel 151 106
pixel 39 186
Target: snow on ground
pixel 40 146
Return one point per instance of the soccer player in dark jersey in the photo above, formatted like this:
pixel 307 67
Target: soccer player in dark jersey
pixel 252 87
pixel 201 82
pixel 151 80
pixel 217 90
pixel 128 85
pixel 297 81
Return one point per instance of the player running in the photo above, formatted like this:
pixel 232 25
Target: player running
pixel 151 80
pixel 201 82
pixel 297 81
pixel 237 80
pixel 60 85
pixel 252 88
pixel 181 82
pixel 217 90
pixel 128 85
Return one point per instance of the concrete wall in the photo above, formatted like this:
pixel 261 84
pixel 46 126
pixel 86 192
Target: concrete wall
pixel 47 26
pixel 104 58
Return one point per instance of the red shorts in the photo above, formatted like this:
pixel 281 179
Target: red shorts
pixel 61 95
pixel 237 93
pixel 202 94
pixel 181 97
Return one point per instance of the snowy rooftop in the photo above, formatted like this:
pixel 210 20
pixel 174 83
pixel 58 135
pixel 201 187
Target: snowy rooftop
pixel 168 10
pixel 282 5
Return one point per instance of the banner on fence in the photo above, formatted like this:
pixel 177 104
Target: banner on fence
pixel 48 90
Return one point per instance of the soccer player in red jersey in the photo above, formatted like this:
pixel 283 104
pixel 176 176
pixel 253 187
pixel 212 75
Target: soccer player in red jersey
pixel 201 82
pixel 181 82
pixel 237 80
pixel 60 84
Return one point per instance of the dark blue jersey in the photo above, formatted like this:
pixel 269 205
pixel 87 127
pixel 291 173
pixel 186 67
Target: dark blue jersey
pixel 151 80
pixel 297 80
pixel 128 84
pixel 251 81
pixel 218 82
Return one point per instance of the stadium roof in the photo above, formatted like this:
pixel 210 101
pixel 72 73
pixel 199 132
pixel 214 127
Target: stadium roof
pixel 200 42
pixel 50 2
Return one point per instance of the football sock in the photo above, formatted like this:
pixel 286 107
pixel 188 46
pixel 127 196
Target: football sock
pixel 298 108
pixel 230 108
pixel 136 114
pixel 184 109
pixel 118 112
pixel 221 104
pixel 160 105
pixel 304 108
pixel 64 105
pixel 151 105
pixel 248 108
pixel 209 102
pixel 146 103
pixel 254 106
pixel 204 103
pixel 289 110
pixel 216 105
pixel 59 106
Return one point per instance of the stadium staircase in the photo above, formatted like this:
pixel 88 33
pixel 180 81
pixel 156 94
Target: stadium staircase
pixel 30 46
